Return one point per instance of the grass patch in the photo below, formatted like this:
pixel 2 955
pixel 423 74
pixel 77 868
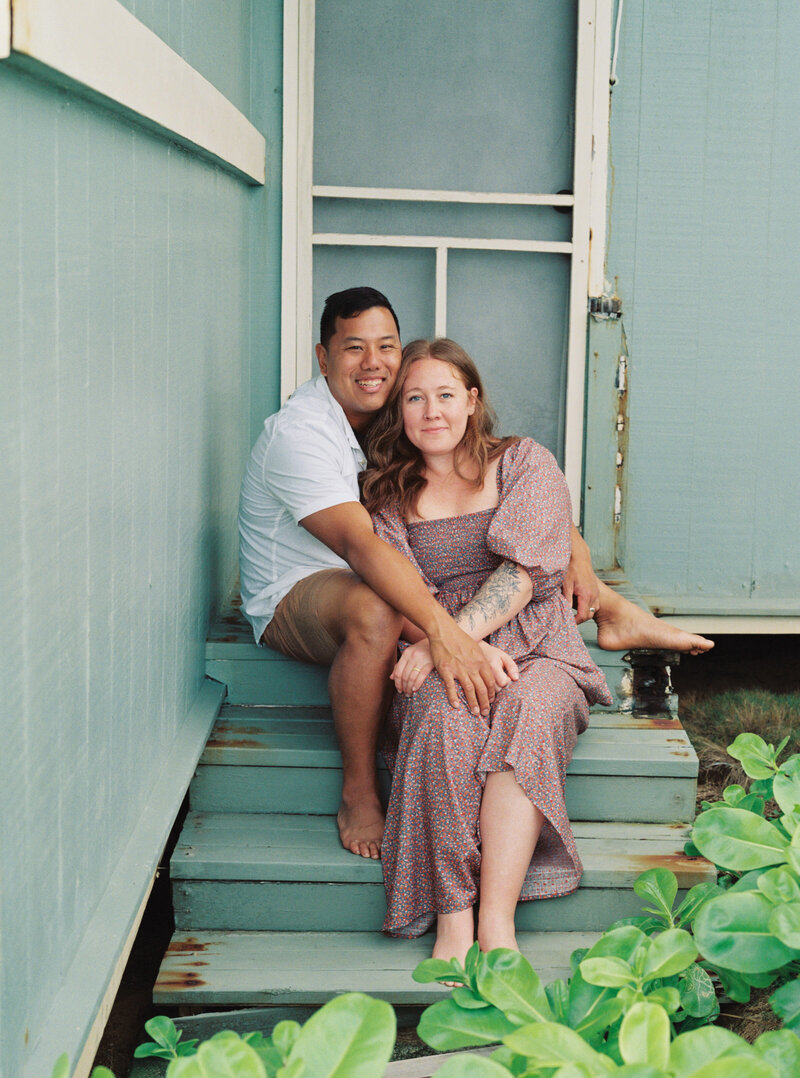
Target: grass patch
pixel 712 722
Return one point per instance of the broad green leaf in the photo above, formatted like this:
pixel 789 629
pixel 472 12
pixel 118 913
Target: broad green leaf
pixel 739 840
pixel 755 755
pixel 785 923
pixel 733 931
pixel 101 1072
pixel 748 882
pixel 779 885
pixel 698 1047
pixel 696 897
pixel 467 999
pixel 618 942
pixel 659 886
pixel 669 953
pixel 599 1018
pixel 470 1066
pixel 221 1057
pixel 284 1035
pixel 697 995
pixel 437 969
pixel 558 998
pixel 163 1031
pixel 471 962
pixel 150 1050
pixel 639 1070
pixel 786 786
pixel 742 1065
pixel 667 997
pixel 508 981
pixel 785 1002
pixel 781 1048
pixel 551 1045
pixel 61 1067
pixel 447 1027
pixel 607 972
pixel 732 795
pixel 352 1036
pixel 762 787
pixel 644 1035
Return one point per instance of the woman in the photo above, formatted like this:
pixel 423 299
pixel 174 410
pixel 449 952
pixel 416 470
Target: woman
pixel 487 523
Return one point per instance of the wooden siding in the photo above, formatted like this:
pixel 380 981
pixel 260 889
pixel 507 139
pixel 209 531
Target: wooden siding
pixel 703 240
pixel 128 276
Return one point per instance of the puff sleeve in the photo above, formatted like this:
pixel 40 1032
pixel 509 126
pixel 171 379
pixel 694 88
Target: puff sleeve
pixel 532 524
pixel 390 526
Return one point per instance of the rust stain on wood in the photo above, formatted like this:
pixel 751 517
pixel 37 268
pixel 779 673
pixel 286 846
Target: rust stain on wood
pixel 697 868
pixel 186 946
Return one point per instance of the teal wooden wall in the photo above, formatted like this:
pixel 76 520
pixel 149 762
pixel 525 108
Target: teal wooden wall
pixel 137 284
pixel 704 234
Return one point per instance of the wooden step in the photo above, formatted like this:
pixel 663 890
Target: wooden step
pixel 256 872
pixel 228 968
pixel 257 675
pixel 297 746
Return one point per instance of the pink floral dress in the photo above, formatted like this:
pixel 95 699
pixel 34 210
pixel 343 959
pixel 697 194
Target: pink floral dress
pixel 439 756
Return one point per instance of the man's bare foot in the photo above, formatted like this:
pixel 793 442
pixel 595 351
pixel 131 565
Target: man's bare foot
pixel 628 626
pixel 496 931
pixel 361 826
pixel 455 934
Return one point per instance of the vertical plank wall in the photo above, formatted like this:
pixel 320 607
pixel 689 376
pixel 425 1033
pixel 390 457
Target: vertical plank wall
pixel 704 234
pixel 136 284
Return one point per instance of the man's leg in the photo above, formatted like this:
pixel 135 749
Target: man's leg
pixel 621 625
pixel 333 617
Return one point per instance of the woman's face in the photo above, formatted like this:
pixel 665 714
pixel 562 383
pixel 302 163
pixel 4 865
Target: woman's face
pixel 436 406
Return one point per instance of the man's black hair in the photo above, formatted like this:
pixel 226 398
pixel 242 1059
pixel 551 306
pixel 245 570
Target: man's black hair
pixel 348 304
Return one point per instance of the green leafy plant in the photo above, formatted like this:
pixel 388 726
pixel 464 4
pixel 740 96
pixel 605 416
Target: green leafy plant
pixel 751 933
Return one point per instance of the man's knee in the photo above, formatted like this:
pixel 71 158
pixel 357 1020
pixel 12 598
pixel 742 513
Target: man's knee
pixel 368 617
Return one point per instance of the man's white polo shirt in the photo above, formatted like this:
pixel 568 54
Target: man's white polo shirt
pixel 306 459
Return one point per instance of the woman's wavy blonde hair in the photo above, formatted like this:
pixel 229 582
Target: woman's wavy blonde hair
pixel 395 471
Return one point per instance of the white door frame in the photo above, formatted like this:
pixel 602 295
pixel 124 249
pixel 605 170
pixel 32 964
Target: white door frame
pixel 586 247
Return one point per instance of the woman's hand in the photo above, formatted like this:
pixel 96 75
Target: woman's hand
pixel 412 667
pixel 416 663
pixel 503 666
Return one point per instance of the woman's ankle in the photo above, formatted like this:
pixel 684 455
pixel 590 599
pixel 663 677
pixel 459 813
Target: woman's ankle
pixel 496 929
pixel 455 934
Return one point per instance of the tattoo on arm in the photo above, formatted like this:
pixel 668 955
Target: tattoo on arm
pixel 494 598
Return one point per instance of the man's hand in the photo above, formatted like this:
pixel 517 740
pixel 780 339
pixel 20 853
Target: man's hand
pixel 458 658
pixel 416 663
pixel 580 581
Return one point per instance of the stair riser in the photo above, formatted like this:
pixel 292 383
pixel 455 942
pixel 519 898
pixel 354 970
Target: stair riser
pixel 278 683
pixel 211 905
pixel 654 799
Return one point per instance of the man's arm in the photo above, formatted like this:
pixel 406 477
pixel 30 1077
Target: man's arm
pixel 580 580
pixel 347 530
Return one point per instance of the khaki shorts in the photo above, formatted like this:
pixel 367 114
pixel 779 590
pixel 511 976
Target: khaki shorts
pixel 295 629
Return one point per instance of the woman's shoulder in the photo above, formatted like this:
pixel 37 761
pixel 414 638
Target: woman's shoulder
pixel 526 453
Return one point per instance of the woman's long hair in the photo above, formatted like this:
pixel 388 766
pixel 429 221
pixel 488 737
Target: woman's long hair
pixel 395 471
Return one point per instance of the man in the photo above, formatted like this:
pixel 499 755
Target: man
pixel 331 592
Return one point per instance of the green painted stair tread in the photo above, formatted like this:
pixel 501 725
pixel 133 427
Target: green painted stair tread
pixel 240 739
pixel 256 846
pixel 310 967
pixel 316 791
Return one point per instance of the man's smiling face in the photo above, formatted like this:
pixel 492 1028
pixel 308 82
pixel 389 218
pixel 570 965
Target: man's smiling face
pixel 361 363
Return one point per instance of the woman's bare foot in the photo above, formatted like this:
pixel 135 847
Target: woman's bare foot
pixel 622 625
pixel 361 826
pixel 455 934
pixel 496 931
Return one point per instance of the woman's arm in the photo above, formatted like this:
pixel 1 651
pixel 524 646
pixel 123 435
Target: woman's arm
pixel 497 601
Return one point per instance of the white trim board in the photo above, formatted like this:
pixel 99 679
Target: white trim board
pixel 412 194
pixel 5 28
pixel 100 50
pixel 76 1017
